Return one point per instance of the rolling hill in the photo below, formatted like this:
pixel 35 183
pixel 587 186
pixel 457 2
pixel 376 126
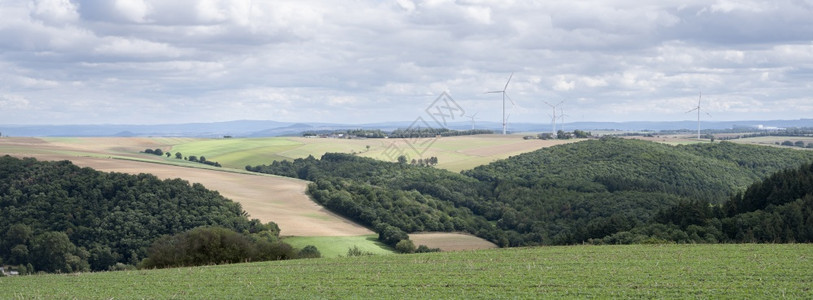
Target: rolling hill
pixel 565 194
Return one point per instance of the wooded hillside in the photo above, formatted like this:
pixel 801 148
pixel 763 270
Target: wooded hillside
pixel 58 217
pixel 566 194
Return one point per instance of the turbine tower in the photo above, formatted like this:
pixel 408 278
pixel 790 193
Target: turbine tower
pixel 562 116
pixel 697 108
pixel 553 117
pixel 504 95
pixel 473 117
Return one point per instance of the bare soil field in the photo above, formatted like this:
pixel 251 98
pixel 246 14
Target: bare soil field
pixel 449 241
pixel 266 198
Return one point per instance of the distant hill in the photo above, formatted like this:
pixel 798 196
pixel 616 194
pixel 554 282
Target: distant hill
pixel 564 194
pixel 255 128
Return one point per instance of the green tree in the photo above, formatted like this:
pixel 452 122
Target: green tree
pixel 309 251
pixel 402 159
pixel 178 155
pixel 54 252
pixel 405 246
pixel 158 152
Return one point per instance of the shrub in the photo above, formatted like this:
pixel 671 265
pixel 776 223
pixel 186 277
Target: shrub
pixel 405 246
pixel 425 249
pixel 355 251
pixel 309 251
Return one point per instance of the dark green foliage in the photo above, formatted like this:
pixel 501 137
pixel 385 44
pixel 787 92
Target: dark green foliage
pixel 355 251
pixel 106 218
pixel 426 249
pixel 392 198
pixel 309 251
pixel 405 246
pixel 611 188
pixel 214 245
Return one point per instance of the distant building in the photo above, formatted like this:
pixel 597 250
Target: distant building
pixel 8 272
pixel 758 127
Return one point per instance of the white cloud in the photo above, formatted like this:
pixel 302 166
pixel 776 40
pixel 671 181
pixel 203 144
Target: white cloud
pixel 375 61
pixel 134 48
pixel 55 11
pixel 13 102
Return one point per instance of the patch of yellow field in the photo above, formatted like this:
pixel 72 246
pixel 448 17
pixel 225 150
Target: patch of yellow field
pixel 450 241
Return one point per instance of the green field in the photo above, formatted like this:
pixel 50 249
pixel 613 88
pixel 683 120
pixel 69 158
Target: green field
pixel 453 153
pixel 772 140
pixel 336 246
pixel 639 271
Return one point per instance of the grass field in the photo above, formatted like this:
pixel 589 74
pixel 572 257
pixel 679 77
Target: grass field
pixel 772 140
pixel 639 271
pixel 453 153
pixel 336 246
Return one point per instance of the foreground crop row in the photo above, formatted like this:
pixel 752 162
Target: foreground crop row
pixel 705 271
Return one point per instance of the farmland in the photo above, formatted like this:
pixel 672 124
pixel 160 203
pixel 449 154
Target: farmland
pixel 650 271
pixel 453 153
pixel 268 198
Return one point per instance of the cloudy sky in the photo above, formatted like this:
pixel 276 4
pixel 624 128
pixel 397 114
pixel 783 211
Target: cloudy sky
pixel 158 61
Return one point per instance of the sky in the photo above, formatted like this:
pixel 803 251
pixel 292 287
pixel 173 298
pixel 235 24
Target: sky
pixel 181 61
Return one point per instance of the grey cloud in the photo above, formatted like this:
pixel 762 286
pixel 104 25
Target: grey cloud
pixel 374 61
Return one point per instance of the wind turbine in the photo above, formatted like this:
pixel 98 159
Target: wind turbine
pixel 553 117
pixel 504 95
pixel 562 116
pixel 697 108
pixel 472 117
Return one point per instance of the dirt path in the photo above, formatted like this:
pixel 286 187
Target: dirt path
pixel 277 199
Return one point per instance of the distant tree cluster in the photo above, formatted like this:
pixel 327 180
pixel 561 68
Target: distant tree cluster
pixel 563 135
pixel 421 162
pixel 800 144
pixel 429 132
pixel 178 155
pixel 398 133
pixel 57 217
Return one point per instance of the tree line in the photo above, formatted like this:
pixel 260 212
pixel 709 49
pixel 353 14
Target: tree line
pixel 179 155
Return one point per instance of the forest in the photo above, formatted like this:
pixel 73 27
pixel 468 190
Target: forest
pixel 58 217
pixel 610 190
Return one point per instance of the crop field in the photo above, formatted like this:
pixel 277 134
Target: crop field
pixel 453 153
pixel 639 271
pixel 772 140
pixel 449 241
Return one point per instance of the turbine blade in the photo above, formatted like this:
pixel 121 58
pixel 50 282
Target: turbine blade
pixel 693 109
pixel 509 99
pixel 494 92
pixel 506 83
